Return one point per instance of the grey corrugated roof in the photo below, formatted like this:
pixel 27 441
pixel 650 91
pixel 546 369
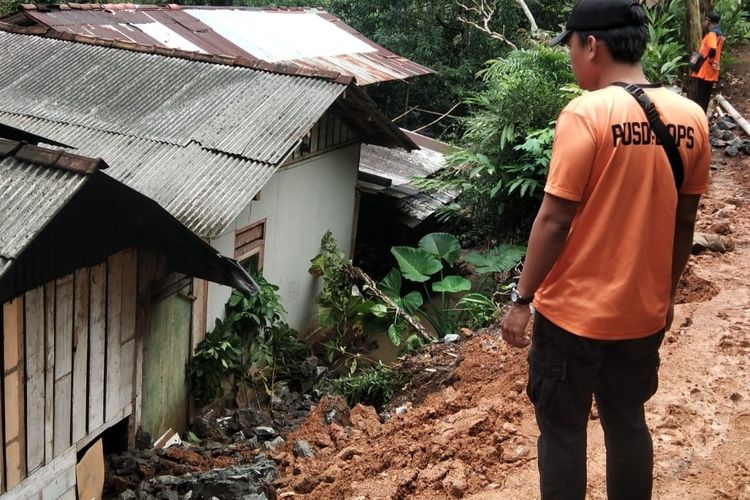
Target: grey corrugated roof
pixel 29 197
pixel 201 139
pixel 399 168
pixel 234 110
pixel 203 189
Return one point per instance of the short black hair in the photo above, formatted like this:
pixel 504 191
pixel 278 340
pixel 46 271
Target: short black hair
pixel 626 44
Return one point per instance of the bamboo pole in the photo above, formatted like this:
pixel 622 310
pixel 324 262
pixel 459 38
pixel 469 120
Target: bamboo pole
pixel 372 288
pixel 736 116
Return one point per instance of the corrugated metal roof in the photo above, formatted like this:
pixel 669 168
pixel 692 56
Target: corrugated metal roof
pixel 233 110
pixel 203 189
pixel 201 139
pixel 400 166
pixel 397 169
pixel 307 37
pixel 30 197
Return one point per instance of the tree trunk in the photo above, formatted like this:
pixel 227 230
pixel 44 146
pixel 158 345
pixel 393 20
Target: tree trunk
pixel 694 31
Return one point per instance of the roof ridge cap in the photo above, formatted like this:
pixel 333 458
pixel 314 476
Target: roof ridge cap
pixel 237 61
pixel 48 157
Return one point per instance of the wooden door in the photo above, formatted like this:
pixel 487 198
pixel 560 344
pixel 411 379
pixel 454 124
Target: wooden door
pixel 166 351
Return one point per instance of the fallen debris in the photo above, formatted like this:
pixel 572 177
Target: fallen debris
pixel 736 116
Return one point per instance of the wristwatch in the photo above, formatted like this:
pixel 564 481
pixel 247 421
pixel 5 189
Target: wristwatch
pixel 517 298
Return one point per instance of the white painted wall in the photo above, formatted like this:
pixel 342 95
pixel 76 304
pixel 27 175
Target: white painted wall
pixel 300 203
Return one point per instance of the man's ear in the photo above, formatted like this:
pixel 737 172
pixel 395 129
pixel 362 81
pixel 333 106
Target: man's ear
pixel 592 47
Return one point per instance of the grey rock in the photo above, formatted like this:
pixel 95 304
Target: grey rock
pixel 238 437
pixel 401 410
pixel 302 449
pixel 264 432
pixel 253 442
pixel 727 136
pixel 166 480
pixel 732 151
pixel 168 495
pixel 127 495
pixel 451 338
pixel 712 242
pixel 275 444
pixel 726 123
pixel 245 420
pixel 330 416
pixel 143 440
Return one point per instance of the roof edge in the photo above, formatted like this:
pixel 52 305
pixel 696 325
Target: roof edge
pixel 52 158
pixel 243 62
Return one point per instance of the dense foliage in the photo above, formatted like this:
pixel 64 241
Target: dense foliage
pixel 507 142
pixel 252 345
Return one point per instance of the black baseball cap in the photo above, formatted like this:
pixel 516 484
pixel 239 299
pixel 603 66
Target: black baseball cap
pixel 714 17
pixel 599 15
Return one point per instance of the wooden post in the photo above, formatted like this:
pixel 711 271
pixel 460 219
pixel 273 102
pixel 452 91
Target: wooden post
pixel 35 310
pixel 64 297
pixel 49 371
pixel 80 353
pixel 97 343
pixel 13 392
pixel 112 403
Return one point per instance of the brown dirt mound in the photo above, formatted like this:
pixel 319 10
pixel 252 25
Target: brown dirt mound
pixel 693 288
pixel 462 438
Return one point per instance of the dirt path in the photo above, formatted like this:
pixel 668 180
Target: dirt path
pixel 474 437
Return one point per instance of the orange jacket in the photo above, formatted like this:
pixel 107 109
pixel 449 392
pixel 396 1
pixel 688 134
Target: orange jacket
pixel 711 47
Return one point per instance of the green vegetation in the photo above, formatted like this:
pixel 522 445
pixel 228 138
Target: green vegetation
pixel 374 386
pixel 506 145
pixel 252 346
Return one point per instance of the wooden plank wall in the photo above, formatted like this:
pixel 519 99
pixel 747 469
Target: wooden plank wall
pixel 72 342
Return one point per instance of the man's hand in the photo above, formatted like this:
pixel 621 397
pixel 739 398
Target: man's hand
pixel 513 325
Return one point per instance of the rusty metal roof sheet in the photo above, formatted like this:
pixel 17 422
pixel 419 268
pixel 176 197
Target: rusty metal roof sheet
pixel 309 38
pixel 201 139
pixel 30 196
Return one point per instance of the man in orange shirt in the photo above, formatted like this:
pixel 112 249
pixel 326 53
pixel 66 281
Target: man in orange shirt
pixel 708 74
pixel 605 253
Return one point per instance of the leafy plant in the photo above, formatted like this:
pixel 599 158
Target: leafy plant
pixel 503 161
pixel 664 59
pixel 436 253
pixel 253 344
pixel 374 386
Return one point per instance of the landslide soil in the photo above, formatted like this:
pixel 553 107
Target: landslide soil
pixel 473 434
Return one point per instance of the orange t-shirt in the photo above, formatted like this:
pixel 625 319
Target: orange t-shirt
pixel 613 277
pixel 707 71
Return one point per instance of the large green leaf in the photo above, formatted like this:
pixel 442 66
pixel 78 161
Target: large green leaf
pixel 443 246
pixel 379 310
pixel 497 260
pixel 476 300
pixel 452 284
pixel 391 284
pixel 416 264
pixel 395 333
pixel 411 302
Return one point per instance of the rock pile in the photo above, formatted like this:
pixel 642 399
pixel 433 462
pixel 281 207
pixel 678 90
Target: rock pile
pixel 726 134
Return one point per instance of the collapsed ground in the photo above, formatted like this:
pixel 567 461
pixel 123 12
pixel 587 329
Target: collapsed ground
pixel 464 427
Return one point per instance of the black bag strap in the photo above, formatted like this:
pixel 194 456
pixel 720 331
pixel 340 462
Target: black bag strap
pixel 660 130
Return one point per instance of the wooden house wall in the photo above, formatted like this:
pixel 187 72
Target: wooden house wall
pixel 72 345
pixel 330 132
